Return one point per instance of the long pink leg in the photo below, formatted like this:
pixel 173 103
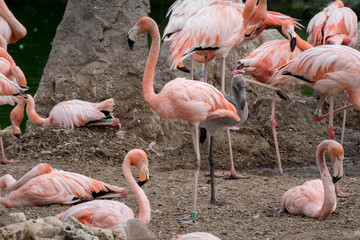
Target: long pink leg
pixel 233 174
pixel 331 119
pixel 223 75
pixel 344 119
pixel 111 122
pixel 192 68
pixel 191 220
pixel 205 68
pixel 273 125
pixel 3 157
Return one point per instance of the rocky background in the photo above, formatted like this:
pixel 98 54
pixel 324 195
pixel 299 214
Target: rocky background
pixel 90 60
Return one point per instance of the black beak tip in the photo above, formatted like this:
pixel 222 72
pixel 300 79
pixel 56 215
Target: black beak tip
pixel 18 135
pixel 131 44
pixel 292 44
pixel 141 183
pixel 336 179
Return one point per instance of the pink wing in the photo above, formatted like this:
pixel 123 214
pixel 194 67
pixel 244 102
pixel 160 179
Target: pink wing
pixel 8 87
pixel 326 68
pixel 8 100
pixel 75 113
pixel 193 101
pixel 196 236
pixel 61 187
pixel 217 27
pixel 99 213
pixel 179 13
pixel 315 27
pixel 306 199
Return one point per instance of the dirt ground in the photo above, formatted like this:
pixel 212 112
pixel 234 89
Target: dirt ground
pixel 253 204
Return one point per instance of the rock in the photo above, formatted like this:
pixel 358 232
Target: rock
pixel 5 217
pixel 18 217
pixel 136 230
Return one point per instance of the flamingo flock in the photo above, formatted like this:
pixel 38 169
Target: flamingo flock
pixel 326 62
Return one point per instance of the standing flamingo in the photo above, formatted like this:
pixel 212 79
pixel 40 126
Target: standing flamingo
pixel 266 59
pixel 195 236
pixel 107 213
pixel 43 185
pixel 75 113
pixel 328 69
pixel 317 198
pixel 212 126
pixel 337 25
pixel 11 30
pixel 191 101
pixel 203 33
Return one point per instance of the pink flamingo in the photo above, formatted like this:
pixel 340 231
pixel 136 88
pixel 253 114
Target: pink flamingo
pixel 266 59
pixel 195 236
pixel 335 25
pixel 203 33
pixel 75 113
pixel 43 185
pixel 317 198
pixel 11 30
pixel 191 101
pixel 328 69
pixel 107 213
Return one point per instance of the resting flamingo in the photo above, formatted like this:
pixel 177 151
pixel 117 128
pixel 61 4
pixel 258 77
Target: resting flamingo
pixel 11 30
pixel 328 69
pixel 75 113
pixel 266 59
pixel 335 25
pixel 43 185
pixel 107 213
pixel 195 236
pixel 191 101
pixel 317 198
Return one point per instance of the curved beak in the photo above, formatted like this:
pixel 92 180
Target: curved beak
pixel 144 174
pixel 338 169
pixel 131 36
pixel 292 37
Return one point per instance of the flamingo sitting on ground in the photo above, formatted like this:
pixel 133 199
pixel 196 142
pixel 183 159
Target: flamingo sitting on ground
pixel 195 236
pixel 191 101
pixel 266 59
pixel 212 126
pixel 75 113
pixel 335 25
pixel 43 185
pixel 317 198
pixel 11 30
pixel 107 213
pixel 328 69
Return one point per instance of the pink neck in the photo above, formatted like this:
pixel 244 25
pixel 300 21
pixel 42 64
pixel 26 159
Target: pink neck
pixel 302 44
pixel 148 78
pixel 144 205
pixel 32 114
pixel 249 10
pixel 329 187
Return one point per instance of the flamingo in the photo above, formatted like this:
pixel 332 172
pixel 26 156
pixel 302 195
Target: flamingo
pixel 337 25
pixel 11 30
pixel 191 101
pixel 266 59
pixel 328 69
pixel 203 33
pixel 212 126
pixel 107 213
pixel 317 198
pixel 75 113
pixel 43 185
pixel 195 236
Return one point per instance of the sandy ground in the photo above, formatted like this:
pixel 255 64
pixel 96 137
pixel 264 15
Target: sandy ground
pixel 253 205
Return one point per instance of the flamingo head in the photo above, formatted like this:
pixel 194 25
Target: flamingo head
pixel 288 29
pixel 144 25
pixel 336 155
pixel 139 159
